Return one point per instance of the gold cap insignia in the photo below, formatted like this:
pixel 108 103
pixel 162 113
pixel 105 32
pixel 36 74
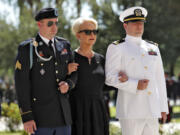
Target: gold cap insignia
pixel 138 12
pixel 18 65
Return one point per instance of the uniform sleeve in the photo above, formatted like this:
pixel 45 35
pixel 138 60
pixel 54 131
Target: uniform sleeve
pixel 106 88
pixel 161 84
pixel 22 83
pixel 113 66
pixel 72 78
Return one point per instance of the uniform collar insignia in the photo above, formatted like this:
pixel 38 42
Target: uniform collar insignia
pixel 40 43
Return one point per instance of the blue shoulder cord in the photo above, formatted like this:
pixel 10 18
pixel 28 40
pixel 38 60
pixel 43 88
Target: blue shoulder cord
pixel 31 54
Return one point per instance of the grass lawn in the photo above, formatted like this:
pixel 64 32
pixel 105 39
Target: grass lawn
pixel 10 133
pixel 176 109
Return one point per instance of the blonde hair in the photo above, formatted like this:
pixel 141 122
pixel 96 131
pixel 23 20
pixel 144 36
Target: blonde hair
pixel 79 21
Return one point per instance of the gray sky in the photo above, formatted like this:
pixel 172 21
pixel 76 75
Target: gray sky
pixel 8 13
pixel 11 14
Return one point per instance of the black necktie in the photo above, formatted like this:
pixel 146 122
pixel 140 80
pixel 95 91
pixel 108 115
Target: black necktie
pixel 51 46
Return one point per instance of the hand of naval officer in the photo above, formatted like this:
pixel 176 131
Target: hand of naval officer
pixel 63 87
pixel 142 84
pixel 30 126
pixel 72 67
pixel 164 116
pixel 122 77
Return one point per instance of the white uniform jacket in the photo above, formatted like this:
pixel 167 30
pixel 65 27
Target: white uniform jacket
pixel 139 59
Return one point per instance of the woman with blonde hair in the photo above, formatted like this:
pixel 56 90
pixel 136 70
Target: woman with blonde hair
pixel 89 113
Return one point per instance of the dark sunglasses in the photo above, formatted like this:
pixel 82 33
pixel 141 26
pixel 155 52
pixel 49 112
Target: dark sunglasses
pixel 88 32
pixel 50 23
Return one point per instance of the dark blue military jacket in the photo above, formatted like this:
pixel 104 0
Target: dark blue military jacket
pixel 37 87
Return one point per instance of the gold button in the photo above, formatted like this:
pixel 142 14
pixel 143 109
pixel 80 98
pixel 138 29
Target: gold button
pixel 57 80
pixel 57 72
pixel 145 67
pixel 42 64
pixel 56 63
pixel 34 99
pixel 149 92
pixel 142 55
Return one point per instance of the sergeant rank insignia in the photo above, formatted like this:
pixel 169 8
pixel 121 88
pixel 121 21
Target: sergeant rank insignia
pixel 18 65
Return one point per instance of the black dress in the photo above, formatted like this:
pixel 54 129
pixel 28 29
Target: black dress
pixel 89 112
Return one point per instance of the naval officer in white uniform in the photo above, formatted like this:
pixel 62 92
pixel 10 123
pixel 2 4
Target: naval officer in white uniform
pixel 142 99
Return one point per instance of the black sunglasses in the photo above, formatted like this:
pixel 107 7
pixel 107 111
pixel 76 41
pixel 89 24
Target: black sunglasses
pixel 88 32
pixel 50 23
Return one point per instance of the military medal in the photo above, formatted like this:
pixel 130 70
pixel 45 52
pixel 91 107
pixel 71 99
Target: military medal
pixel 42 71
pixel 41 53
pixel 64 51
pixel 152 52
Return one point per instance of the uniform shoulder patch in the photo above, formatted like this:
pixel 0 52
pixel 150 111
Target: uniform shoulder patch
pixel 26 42
pixel 151 42
pixel 118 41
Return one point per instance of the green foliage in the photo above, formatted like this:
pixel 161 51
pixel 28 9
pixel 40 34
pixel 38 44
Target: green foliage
pixel 112 111
pixel 8 38
pixel 114 130
pixel 162 26
pixel 12 115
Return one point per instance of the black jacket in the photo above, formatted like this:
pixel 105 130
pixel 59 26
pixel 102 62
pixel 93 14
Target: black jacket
pixel 37 87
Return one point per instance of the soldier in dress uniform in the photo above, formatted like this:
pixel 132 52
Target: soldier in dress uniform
pixel 41 78
pixel 142 99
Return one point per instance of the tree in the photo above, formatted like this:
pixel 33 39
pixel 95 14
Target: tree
pixel 162 25
pixel 9 41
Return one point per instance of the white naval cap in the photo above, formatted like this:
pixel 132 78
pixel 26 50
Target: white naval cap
pixel 133 14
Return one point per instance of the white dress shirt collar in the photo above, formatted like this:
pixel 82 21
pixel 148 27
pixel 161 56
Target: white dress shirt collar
pixel 46 40
pixel 134 40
